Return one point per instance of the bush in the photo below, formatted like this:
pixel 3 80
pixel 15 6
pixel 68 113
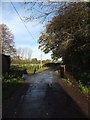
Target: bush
pixel 85 78
pixel 85 89
pixel 11 81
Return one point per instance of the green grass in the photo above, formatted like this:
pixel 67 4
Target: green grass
pixel 84 82
pixel 31 71
pixel 30 68
pixel 83 88
pixel 11 82
pixel 41 69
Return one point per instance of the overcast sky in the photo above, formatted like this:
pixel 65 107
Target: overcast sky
pixel 21 36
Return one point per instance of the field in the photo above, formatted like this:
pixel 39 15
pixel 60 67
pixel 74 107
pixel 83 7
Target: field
pixel 13 80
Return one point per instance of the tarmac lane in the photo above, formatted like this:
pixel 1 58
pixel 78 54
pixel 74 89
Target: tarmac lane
pixel 45 98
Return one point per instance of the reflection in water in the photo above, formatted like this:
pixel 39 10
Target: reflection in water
pixel 45 98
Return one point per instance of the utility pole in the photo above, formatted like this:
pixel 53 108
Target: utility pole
pixel 41 59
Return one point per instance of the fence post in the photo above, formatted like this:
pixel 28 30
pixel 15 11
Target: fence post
pixel 62 72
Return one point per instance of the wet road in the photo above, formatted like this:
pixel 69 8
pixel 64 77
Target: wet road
pixel 45 98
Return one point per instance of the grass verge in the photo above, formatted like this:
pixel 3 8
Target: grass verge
pixel 83 88
pixel 83 84
pixel 41 69
pixel 11 82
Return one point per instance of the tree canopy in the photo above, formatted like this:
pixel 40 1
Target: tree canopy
pixel 67 35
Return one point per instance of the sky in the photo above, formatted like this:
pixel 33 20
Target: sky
pixel 22 37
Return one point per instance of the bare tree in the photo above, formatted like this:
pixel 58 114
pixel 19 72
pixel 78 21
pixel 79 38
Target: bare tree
pixel 24 53
pixel 44 11
pixel 7 41
pixel 29 53
pixel 18 52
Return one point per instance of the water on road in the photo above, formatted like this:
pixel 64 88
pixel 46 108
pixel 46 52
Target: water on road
pixel 45 98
